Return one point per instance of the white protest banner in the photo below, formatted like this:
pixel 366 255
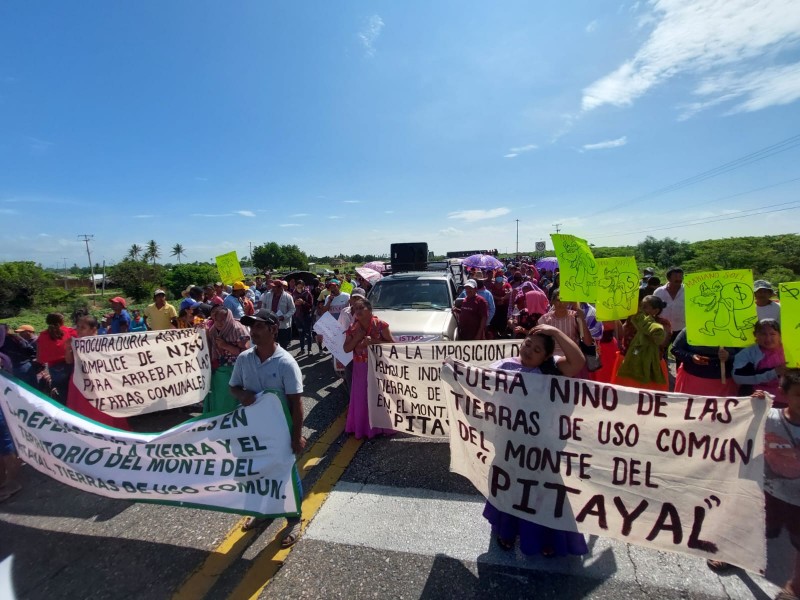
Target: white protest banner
pixel 403 384
pixel 667 471
pixel 333 337
pixel 238 462
pixel 135 373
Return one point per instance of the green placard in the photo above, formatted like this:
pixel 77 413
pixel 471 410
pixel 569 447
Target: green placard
pixel 617 288
pixel 229 268
pixel 578 268
pixel 720 308
pixel 790 323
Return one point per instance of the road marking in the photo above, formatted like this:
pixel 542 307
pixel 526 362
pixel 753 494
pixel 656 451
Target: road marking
pixel 200 581
pixel 267 563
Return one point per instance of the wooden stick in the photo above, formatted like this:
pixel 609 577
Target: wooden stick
pixel 722 371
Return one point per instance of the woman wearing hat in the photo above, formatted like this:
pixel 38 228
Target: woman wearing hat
pixel 765 307
pixel 120 320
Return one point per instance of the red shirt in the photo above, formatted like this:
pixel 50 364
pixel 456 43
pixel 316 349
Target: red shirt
pixel 52 351
pixel 473 311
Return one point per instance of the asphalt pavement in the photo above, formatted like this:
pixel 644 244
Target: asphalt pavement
pixel 386 518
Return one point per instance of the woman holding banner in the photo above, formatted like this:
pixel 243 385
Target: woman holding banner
pixel 365 330
pixel 51 349
pixel 536 355
pixel 701 368
pixel 760 366
pixel 87 326
pixel 227 338
pixel 645 336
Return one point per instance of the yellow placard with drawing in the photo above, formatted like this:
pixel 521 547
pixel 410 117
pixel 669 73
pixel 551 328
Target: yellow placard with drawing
pixel 229 268
pixel 578 268
pixel 790 322
pixel 720 308
pixel 617 288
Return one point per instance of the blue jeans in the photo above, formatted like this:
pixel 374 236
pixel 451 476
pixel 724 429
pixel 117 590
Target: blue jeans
pixel 304 332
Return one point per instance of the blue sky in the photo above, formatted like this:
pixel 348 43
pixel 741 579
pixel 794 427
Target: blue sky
pixel 346 126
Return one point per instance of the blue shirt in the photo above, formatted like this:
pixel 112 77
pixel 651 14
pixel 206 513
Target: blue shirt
pixel 118 319
pixel 280 371
pixel 232 303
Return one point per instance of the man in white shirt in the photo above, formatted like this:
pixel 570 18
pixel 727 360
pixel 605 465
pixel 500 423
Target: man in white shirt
pixel 673 295
pixel 765 307
pixel 336 301
pixel 280 302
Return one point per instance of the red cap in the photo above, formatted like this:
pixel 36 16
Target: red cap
pixel 120 300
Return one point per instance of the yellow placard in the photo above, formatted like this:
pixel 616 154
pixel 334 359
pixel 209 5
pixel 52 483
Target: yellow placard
pixel 617 288
pixel 229 268
pixel 578 268
pixel 790 322
pixel 346 287
pixel 720 308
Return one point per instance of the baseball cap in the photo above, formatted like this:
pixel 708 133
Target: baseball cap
pixel 188 289
pixel 264 315
pixel 358 292
pixel 119 300
pixel 28 328
pixel 649 270
pixel 336 281
pixel 471 283
pixel 762 284
pixel 239 286
pixel 159 293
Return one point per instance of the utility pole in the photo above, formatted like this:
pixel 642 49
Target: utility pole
pixel 65 272
pixel 251 252
pixel 517 238
pixel 103 293
pixel 87 237
pixel 557 226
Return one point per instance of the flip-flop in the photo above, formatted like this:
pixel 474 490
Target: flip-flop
pixel 718 566
pixel 8 490
pixel 253 523
pixel 291 534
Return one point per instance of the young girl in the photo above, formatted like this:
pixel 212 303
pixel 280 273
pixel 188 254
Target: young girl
pixel 536 356
pixel 645 335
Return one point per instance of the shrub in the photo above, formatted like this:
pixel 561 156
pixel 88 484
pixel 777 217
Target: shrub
pixel 22 283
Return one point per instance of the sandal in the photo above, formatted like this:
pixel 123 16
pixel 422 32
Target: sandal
pixel 505 544
pixel 718 566
pixel 253 523
pixel 291 533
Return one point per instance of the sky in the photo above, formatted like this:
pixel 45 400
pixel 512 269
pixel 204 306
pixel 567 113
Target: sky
pixel 343 127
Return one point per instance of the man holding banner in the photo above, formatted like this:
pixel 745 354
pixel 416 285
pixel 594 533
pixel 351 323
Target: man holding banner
pixel 267 366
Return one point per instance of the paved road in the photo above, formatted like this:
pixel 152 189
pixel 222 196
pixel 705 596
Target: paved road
pixel 389 520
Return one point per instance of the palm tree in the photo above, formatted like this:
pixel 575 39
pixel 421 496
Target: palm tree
pixel 134 251
pixel 153 251
pixel 177 251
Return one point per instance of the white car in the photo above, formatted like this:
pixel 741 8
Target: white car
pixel 418 306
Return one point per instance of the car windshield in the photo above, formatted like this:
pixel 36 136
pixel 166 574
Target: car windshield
pixel 410 294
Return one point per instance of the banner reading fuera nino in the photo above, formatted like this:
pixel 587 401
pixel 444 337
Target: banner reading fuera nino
pixel 666 471
pixel 146 371
pixel 403 387
pixel 229 268
pixel 579 272
pixel 617 288
pixel 238 462
pixel 790 322
pixel 720 308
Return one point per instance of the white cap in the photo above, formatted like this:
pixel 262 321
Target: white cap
pixel 471 283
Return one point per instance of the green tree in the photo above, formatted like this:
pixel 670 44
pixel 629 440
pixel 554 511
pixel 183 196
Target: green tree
pixel 136 278
pixel 268 256
pixel 178 251
pixel 777 275
pixel 182 276
pixel 153 252
pixel 23 282
pixel 134 251
pixel 294 258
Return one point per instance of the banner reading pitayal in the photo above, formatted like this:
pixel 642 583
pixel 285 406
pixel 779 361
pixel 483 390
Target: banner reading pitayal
pixel 403 387
pixel 662 470
pixel 130 374
pixel 720 308
pixel 239 462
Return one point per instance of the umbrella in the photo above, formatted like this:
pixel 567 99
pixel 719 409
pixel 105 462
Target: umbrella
pixel 376 265
pixel 482 261
pixel 306 276
pixel 370 275
pixel 549 263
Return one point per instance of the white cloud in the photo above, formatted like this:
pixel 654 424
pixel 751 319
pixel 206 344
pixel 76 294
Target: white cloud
pixel 513 152
pixel 703 36
pixel 450 231
pixel 300 215
pixel 246 213
pixel 334 217
pixel 607 144
pixel 352 201
pixel 389 212
pixel 478 215
pixel 370 33
pixel 143 216
pixel 289 225
pixel 591 26
pixel 510 155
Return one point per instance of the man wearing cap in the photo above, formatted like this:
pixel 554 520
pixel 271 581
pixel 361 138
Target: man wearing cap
pixel 120 321
pixel 160 314
pixel 280 302
pixel 646 275
pixel 267 366
pixel 233 301
pixel 473 314
pixel 765 307
pixel 27 333
pixel 336 301
pixel 192 294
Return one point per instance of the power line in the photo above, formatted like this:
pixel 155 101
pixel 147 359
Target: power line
pixel 742 161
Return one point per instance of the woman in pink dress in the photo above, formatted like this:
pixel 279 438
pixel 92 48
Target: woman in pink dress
pixel 366 329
